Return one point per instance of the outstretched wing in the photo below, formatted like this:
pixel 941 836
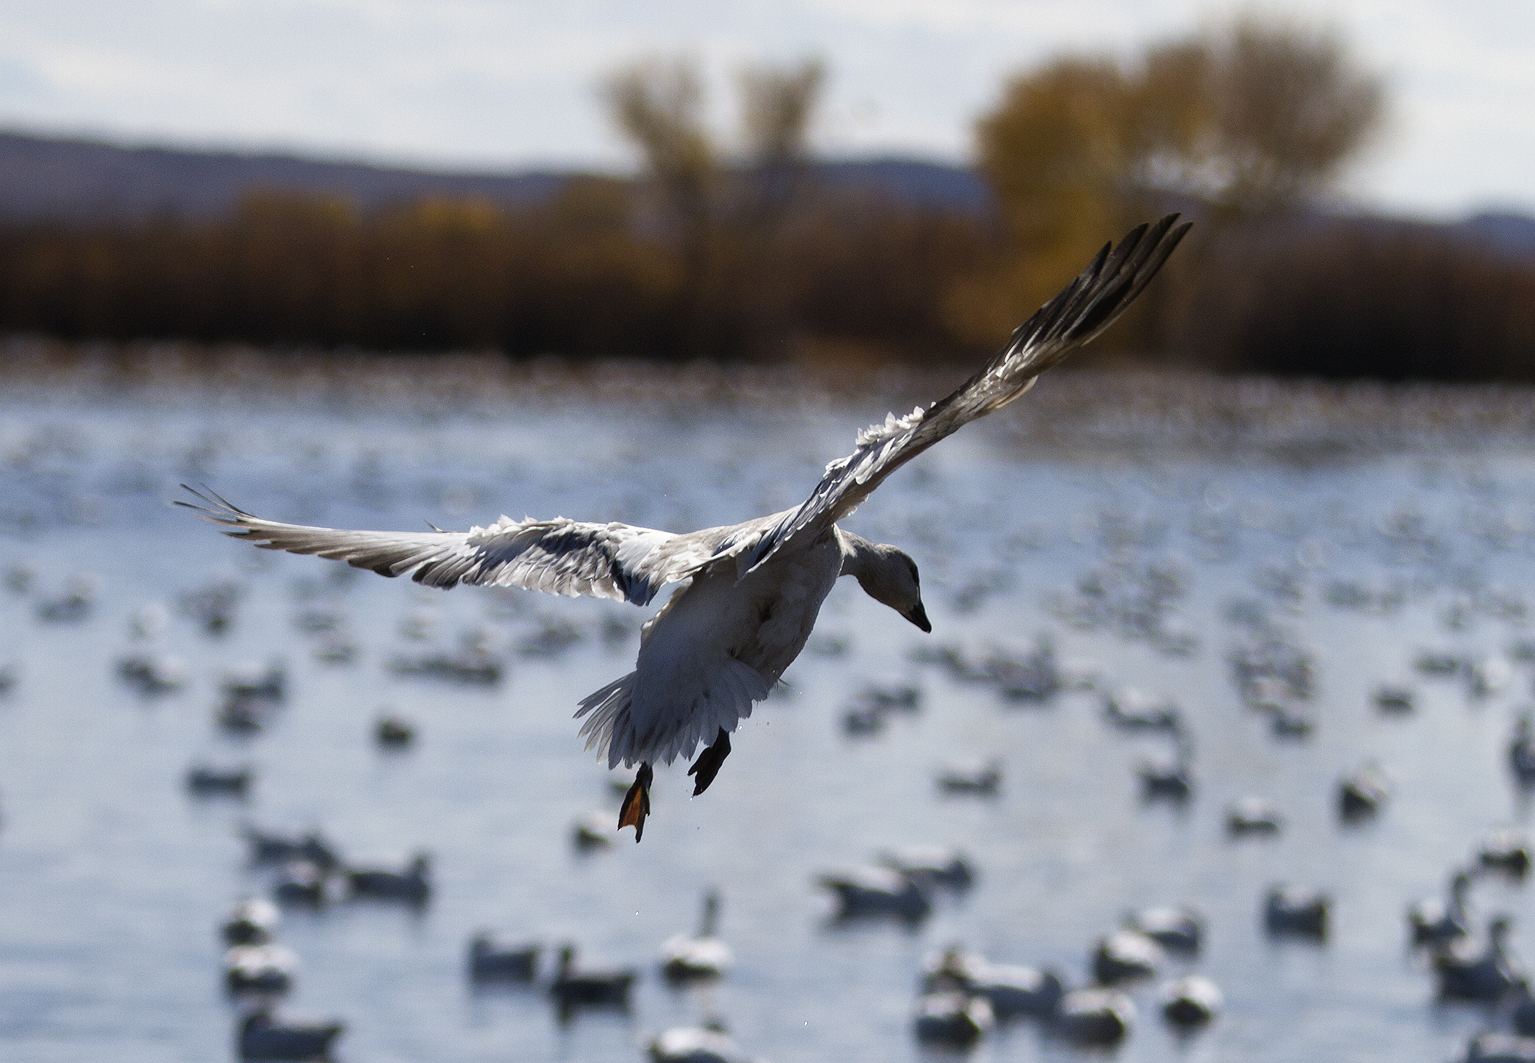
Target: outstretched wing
pixel 559 556
pixel 1082 310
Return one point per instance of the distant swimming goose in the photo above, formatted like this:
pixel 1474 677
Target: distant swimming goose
pixel 259 969
pixel 252 681
pixel 302 882
pixel 751 591
pixel 206 781
pixel 1434 921
pixel 952 1019
pixel 704 955
pixel 413 884
pixel 594 830
pixel 262 1037
pixel 1290 910
pixel 1363 793
pixel 1191 1001
pixel 1253 815
pixel 1487 677
pixel 1290 721
pixel 1176 929
pixel 251 922
pixel 1012 990
pixel 394 732
pixel 980 779
pixel 492 961
pixel 1094 1017
pixel 1487 975
pixel 692 1044
pixel 271 847
pixel 1169 782
pixel 930 866
pixel 1124 956
pixel 152 673
pixel 572 988
pixel 866 891
pixel 1132 710
pixel 1507 851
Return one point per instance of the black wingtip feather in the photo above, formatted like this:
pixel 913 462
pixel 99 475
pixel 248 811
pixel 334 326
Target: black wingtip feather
pixel 1095 297
pixel 212 507
pixel 213 502
pixel 1078 313
pixel 1113 279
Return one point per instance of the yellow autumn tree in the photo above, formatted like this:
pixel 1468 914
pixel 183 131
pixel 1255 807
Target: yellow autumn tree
pixel 1240 121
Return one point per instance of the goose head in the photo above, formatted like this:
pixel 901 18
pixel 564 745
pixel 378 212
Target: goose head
pixel 887 574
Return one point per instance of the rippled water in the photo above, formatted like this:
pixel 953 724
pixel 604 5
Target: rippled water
pixel 113 879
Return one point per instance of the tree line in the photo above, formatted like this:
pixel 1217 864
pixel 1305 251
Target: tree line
pixel 582 275
pixel 732 250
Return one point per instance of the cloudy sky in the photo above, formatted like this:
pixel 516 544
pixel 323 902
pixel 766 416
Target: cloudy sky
pixel 510 84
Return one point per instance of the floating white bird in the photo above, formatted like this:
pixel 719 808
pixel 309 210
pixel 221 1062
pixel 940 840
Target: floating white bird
pixel 700 957
pixel 751 591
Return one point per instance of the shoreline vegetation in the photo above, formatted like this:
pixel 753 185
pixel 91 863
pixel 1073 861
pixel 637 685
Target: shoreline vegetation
pixel 739 249
pixel 1123 413
pixel 842 280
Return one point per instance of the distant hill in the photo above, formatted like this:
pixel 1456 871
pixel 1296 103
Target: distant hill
pixel 1511 234
pixel 43 178
pixel 927 184
pixel 84 181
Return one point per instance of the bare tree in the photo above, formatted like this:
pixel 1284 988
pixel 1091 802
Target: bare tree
pixel 658 105
pixel 777 104
pixel 1290 111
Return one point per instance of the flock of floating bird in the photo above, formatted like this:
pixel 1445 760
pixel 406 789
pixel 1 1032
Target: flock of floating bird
pixel 963 995
pixel 796 556
pixel 306 870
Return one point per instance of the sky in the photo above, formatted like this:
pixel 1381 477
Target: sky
pixel 505 85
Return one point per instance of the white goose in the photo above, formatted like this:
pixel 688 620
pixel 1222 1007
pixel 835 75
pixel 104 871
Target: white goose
pixel 751 591
pixel 700 957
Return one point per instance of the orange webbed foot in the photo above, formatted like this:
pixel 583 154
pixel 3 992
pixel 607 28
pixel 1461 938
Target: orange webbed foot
pixel 636 804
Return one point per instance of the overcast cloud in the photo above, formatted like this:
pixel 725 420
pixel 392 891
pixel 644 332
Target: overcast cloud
pixel 508 84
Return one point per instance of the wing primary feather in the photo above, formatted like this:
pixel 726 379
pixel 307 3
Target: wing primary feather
pixel 560 556
pixel 1081 310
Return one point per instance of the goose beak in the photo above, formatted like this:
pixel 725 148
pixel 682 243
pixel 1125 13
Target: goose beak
pixel 918 616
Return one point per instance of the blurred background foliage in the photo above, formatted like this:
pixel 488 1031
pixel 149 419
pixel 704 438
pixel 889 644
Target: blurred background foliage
pixel 1235 124
pixel 736 250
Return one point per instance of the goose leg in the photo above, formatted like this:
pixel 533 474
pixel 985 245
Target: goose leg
pixel 707 766
pixel 636 804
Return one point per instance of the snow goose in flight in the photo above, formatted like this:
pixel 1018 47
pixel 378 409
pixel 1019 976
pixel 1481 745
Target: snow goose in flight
pixel 751 591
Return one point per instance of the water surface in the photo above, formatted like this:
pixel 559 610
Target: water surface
pixel 113 879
